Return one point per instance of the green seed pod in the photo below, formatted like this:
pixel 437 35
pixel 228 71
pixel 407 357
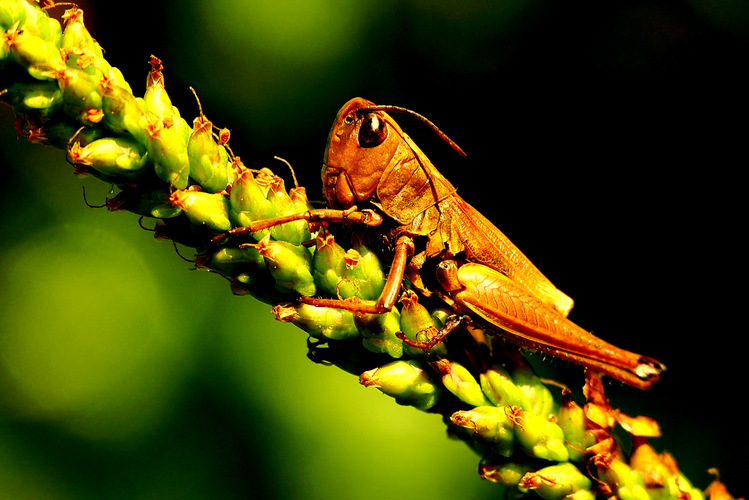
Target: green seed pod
pixel 571 418
pixel 440 315
pixel 417 324
pixel 489 425
pixel 662 477
pixel 406 381
pixel 44 97
pixel 32 19
pixel 500 389
pixel 55 31
pixel 156 99
pixel 299 198
pixel 378 332
pixel 289 265
pixel 58 133
pixel 231 261
pixel 12 12
pixel 364 270
pixel 283 204
pixel 82 50
pixel 539 436
pixel 323 323
pixel 209 164
pixel 499 470
pixel 204 209
pixel 117 78
pixel 40 57
pixel 301 204
pixel 168 152
pixel 459 381
pixel 123 113
pixel 248 202
pixel 557 482
pixel 151 203
pixel 626 483
pixel 181 126
pixel 81 95
pixel 540 399
pixel 119 159
pixel 328 267
pixel 687 489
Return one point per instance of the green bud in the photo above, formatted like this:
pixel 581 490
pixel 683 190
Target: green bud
pixel 123 113
pixel 258 285
pixel 31 18
pixel 323 323
pixel 440 315
pixel 117 78
pixel 204 209
pixel 687 489
pixel 406 381
pixel 662 477
pixel 12 12
pixel 151 203
pixel 58 133
pixel 283 204
pixel 627 483
pixel 168 152
pixel 289 265
pixel 459 381
pixel 231 261
pixel 417 324
pixel 81 95
pixel 117 158
pixel 571 418
pixel 538 436
pixel 40 57
pixel 248 202
pixel 86 54
pixel 156 99
pixel 540 399
pixel 181 126
pixel 364 271
pixel 209 165
pixel 489 425
pixel 299 198
pixel 328 267
pixel 500 389
pixel 497 470
pixel 378 332
pixel 83 52
pixel 557 482
pixel 44 97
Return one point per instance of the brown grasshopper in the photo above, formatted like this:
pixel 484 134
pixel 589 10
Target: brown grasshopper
pixel 369 159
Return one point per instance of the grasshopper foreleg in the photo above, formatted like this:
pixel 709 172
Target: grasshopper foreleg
pixel 385 302
pixel 351 215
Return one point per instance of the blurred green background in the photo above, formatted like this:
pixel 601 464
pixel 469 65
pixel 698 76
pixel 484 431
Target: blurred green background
pixel 605 139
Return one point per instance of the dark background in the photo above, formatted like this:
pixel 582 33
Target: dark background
pixel 606 140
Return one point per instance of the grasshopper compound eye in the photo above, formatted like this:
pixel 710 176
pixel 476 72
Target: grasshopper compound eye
pixel 373 131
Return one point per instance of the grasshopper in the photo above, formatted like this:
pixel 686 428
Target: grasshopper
pixel 461 257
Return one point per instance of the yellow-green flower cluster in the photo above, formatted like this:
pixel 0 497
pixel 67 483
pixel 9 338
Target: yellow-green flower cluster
pixel 55 76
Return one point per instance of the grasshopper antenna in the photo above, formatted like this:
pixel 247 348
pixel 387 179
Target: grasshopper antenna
pixel 423 119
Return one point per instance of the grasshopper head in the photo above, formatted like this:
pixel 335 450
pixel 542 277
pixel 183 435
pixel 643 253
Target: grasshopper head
pixel 357 154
